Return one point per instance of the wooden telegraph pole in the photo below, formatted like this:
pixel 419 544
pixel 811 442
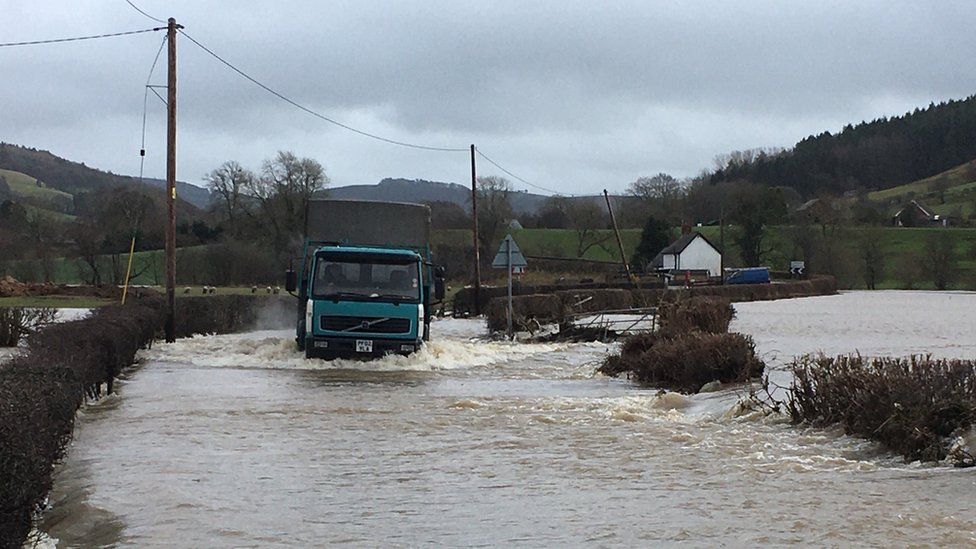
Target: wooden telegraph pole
pixel 474 231
pixel 620 243
pixel 170 326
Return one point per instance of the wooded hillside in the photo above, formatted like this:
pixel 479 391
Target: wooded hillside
pixel 880 154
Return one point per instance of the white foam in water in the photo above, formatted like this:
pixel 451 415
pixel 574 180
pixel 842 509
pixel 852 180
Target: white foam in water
pixel 452 346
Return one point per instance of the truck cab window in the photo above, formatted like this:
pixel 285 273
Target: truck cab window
pixel 366 280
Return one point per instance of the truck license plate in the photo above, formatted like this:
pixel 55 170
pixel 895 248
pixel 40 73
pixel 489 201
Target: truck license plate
pixel 364 346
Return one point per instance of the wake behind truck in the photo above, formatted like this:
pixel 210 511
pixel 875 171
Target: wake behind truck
pixel 366 284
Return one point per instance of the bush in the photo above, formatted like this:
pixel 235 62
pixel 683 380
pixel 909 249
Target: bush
pixel 66 363
pixel 41 390
pixel 706 314
pixel 690 348
pixel 688 362
pixel 911 405
pixel 18 322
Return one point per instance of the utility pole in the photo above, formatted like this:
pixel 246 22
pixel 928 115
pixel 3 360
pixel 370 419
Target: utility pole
pixel 620 243
pixel 170 326
pixel 721 242
pixel 474 232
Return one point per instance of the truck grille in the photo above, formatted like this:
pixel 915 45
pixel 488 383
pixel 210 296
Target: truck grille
pixel 375 325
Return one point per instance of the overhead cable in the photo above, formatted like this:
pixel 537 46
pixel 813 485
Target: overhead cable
pixel 78 38
pixel 145 107
pixel 135 7
pixel 500 167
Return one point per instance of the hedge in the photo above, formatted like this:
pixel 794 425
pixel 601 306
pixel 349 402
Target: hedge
pixel 915 406
pixel 65 364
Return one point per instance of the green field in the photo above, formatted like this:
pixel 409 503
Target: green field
pixel 960 193
pixel 43 198
pixel 54 301
pixel 900 245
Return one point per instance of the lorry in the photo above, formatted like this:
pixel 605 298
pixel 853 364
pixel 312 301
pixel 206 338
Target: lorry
pixel 366 285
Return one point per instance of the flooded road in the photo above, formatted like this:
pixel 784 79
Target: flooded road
pixel 239 441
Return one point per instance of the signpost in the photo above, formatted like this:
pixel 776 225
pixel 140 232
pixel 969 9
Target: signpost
pixel 509 257
pixel 796 268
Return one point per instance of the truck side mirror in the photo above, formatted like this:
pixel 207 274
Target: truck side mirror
pixel 439 283
pixel 291 280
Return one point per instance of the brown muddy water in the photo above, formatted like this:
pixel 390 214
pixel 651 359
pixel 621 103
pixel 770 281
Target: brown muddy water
pixel 238 441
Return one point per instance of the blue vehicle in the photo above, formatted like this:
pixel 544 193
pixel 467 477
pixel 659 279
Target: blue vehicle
pixel 366 283
pixel 750 275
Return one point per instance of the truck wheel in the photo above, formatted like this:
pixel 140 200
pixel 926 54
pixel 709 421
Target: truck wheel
pixel 300 337
pixel 309 352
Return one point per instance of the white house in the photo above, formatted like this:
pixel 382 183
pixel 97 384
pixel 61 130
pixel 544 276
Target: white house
pixel 691 252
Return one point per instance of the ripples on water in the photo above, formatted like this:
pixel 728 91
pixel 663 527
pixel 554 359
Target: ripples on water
pixel 238 440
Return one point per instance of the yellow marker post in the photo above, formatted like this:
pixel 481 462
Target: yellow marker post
pixel 128 269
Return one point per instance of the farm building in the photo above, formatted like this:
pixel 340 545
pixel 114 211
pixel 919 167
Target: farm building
pixel 916 214
pixel 690 252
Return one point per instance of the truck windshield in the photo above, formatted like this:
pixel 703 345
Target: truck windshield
pixel 373 280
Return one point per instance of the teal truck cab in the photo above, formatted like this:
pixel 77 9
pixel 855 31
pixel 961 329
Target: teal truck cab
pixel 367 284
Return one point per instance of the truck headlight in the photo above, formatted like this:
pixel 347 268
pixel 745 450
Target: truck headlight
pixel 308 316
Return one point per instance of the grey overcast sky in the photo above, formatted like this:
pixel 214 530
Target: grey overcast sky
pixel 572 95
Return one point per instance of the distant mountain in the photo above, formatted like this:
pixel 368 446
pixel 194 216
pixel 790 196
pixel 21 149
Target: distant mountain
pixel 880 154
pixel 420 190
pixel 59 174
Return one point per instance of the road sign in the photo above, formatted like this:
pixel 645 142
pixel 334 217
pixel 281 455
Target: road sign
pixel 501 258
pixel 796 267
pixel 509 257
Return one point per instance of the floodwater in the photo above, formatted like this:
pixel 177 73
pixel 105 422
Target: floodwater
pixel 238 441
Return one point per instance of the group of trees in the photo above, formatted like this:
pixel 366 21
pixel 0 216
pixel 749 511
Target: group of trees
pixel 879 154
pixel 270 206
pixel 262 216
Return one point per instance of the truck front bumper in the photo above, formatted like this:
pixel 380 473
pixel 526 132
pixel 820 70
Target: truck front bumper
pixel 347 347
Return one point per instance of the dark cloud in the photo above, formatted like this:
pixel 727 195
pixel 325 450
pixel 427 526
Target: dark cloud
pixel 571 94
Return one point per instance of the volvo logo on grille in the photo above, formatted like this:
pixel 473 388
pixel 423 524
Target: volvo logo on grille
pixel 365 324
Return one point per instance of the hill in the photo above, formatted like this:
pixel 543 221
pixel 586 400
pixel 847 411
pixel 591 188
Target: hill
pixel 879 154
pixel 420 190
pixel 198 196
pixel 43 176
pixel 29 190
pixel 950 193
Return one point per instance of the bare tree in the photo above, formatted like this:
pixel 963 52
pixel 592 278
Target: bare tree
pixel 494 211
pixel 941 260
pixel 752 208
pixel 660 196
pixel 283 191
pixel 587 218
pixel 940 186
pixel 228 183
pixel 871 249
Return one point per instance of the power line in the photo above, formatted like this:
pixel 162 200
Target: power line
pixel 499 166
pixel 145 107
pixel 135 7
pixel 314 113
pixel 78 38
